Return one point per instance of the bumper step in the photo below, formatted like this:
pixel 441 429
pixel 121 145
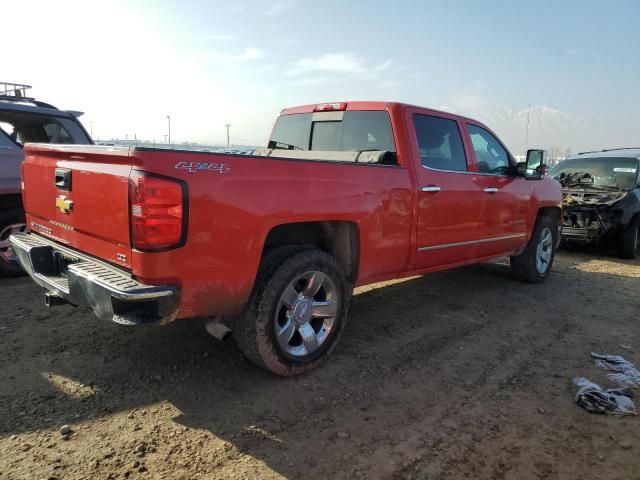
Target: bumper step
pixel 73 277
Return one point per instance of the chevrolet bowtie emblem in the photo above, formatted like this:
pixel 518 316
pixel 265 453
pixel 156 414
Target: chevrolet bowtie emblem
pixel 64 204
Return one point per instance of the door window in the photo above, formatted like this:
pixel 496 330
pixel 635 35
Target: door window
pixel 440 143
pixel 491 156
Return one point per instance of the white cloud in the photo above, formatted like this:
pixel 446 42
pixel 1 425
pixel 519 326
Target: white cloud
pixel 342 63
pixel 330 62
pixel 235 7
pixel 278 7
pixel 223 37
pixel 247 55
pixel 310 81
pixel 383 66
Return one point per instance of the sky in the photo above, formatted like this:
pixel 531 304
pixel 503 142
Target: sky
pixel 129 64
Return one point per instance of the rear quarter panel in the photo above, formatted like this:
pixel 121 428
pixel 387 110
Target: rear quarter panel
pixel 231 214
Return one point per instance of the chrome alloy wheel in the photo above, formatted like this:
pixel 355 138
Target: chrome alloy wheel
pixel 6 252
pixel 544 251
pixel 306 314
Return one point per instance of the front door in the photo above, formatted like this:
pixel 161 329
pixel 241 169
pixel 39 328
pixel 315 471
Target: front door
pixel 507 197
pixel 450 202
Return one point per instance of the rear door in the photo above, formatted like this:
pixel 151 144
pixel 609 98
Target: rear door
pixel 450 202
pixel 507 197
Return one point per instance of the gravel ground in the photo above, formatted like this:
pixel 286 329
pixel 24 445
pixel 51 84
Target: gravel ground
pixel 459 374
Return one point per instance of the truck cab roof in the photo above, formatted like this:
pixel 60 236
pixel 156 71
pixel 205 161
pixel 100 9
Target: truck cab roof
pixel 358 105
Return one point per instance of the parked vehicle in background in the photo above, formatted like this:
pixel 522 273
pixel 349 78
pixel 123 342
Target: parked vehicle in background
pixel 24 119
pixel 601 198
pixel 345 194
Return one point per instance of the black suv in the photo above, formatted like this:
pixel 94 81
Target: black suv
pixel 601 198
pixel 22 120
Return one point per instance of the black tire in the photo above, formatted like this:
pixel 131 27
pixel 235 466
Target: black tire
pixel 524 267
pixel 8 217
pixel 255 330
pixel 630 240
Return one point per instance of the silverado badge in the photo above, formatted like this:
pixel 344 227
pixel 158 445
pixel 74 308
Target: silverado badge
pixel 64 204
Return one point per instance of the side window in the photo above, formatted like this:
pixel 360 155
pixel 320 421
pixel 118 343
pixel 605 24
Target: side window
pixel 490 155
pixel 6 142
pixel 56 133
pixel 440 143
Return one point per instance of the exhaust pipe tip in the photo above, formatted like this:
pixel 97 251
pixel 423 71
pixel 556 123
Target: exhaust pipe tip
pixel 218 330
pixel 52 299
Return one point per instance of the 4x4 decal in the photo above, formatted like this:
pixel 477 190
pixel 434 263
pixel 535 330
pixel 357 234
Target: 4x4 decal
pixel 194 167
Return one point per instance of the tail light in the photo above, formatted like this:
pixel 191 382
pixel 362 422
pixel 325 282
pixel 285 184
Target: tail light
pixel 158 210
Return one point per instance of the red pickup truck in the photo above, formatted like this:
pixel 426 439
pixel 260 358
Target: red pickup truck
pixel 273 243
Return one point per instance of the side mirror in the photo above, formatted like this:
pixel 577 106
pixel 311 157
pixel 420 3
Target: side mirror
pixel 535 166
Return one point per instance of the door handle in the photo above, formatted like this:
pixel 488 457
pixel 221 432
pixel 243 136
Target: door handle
pixel 491 190
pixel 431 189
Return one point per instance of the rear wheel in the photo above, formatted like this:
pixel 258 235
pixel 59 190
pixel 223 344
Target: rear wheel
pixel 534 263
pixel 296 313
pixel 11 221
pixel 630 239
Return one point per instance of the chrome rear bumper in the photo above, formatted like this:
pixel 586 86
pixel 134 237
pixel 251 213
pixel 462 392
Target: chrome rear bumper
pixel 83 280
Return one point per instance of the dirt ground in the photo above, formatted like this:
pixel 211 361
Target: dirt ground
pixel 460 374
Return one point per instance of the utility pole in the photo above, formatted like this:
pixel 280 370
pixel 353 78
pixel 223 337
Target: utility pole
pixel 526 138
pixel 228 143
pixel 169 125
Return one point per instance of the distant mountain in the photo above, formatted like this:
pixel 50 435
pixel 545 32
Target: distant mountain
pixel 550 128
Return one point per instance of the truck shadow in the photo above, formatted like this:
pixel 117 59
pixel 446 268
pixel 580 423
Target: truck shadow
pixel 62 366
pixel 605 252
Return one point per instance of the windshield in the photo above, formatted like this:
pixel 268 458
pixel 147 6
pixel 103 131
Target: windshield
pixel 350 131
pixel 608 172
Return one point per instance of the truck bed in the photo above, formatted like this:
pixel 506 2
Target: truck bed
pixel 234 202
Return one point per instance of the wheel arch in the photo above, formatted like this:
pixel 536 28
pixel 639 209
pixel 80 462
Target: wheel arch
pixel 555 213
pixel 10 200
pixel 339 238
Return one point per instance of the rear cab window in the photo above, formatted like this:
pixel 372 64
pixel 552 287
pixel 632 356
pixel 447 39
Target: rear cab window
pixel 334 131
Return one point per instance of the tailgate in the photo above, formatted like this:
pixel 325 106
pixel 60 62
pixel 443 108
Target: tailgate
pixel 79 196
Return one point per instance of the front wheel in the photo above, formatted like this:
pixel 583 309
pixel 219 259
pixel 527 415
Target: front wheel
pixel 629 240
pixel 296 313
pixel 534 263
